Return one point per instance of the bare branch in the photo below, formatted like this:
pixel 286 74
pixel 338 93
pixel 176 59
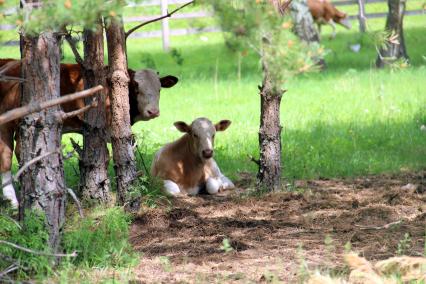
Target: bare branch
pixel 11 78
pixel 74 49
pixel 32 162
pixel 73 254
pixel 254 160
pixel 11 268
pixel 76 147
pixel 36 106
pixel 65 115
pixel 24 167
pixel 168 15
pixel 77 202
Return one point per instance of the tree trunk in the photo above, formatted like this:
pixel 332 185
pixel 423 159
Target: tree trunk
pixel 121 134
pixel 394 48
pixel 361 16
pixel 304 26
pixel 269 174
pixel 42 184
pixel 94 160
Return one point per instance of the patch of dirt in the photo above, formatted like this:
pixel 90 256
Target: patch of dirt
pixel 270 235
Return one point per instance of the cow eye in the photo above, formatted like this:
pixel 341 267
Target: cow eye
pixel 195 135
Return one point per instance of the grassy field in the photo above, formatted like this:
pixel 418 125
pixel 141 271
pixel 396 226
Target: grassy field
pixel 349 120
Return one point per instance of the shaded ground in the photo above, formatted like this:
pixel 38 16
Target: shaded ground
pixel 183 243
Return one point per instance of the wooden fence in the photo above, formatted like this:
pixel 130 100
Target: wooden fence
pixel 166 32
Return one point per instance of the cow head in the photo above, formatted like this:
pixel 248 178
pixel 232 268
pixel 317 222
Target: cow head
pixel 144 93
pixel 201 134
pixel 342 19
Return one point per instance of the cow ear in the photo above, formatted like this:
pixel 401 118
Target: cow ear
pixel 182 126
pixel 222 125
pixel 168 81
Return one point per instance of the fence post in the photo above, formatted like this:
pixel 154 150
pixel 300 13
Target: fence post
pixel 361 16
pixel 165 26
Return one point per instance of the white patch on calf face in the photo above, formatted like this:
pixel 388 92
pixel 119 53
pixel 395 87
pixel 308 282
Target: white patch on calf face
pixel 202 135
pixel 8 190
pixel 148 96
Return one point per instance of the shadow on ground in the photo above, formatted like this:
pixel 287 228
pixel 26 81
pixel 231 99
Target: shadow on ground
pixel 270 234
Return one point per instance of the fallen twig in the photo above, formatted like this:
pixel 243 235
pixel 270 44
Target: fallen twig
pixel 11 268
pixel 77 202
pixel 36 106
pixel 168 15
pixel 387 226
pixel 66 115
pixel 73 254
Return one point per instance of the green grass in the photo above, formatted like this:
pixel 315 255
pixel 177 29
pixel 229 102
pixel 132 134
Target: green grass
pixel 349 120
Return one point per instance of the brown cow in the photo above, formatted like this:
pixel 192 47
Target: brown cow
pixel 324 12
pixel 187 165
pixel 144 95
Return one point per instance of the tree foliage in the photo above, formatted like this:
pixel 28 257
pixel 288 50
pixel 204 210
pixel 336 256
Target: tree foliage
pixel 257 25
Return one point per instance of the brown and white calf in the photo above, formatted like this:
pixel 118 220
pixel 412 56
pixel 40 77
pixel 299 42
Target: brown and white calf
pixel 144 95
pixel 324 12
pixel 187 165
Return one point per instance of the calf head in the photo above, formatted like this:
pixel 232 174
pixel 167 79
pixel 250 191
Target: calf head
pixel 201 134
pixel 144 93
pixel 342 19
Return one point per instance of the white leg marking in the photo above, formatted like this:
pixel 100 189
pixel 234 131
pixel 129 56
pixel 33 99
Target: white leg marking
pixel 212 185
pixel 193 190
pixel 8 190
pixel 171 188
pixel 226 183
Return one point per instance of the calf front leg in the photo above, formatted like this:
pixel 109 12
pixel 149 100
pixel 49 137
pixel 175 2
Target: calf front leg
pixel 171 188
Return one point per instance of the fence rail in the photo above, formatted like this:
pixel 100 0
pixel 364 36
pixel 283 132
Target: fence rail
pixel 166 32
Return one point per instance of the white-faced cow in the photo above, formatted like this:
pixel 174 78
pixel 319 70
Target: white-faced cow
pixel 187 165
pixel 144 95
pixel 324 13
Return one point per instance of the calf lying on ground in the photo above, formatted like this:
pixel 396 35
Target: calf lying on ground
pixel 187 165
pixel 324 13
pixel 144 95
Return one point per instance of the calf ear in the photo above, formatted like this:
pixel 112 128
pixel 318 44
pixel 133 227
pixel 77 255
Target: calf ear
pixel 182 126
pixel 222 125
pixel 168 81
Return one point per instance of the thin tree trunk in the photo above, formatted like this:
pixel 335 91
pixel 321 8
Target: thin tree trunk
pixel 394 48
pixel 361 16
pixel 121 134
pixel 42 184
pixel 269 174
pixel 304 26
pixel 94 161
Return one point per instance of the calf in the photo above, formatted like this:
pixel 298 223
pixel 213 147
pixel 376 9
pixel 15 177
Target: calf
pixel 144 95
pixel 324 12
pixel 187 165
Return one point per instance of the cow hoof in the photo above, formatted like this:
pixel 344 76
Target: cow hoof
pixel 171 188
pixel 227 183
pixel 212 186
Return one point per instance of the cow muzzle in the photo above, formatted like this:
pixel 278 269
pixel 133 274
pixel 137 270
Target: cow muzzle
pixel 153 113
pixel 207 154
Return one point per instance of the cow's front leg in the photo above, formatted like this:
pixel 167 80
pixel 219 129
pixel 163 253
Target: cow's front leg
pixel 6 152
pixel 171 188
pixel 213 185
pixel 333 26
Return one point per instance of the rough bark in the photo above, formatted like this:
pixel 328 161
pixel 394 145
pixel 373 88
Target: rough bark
pixel 269 174
pixel 121 134
pixel 304 26
pixel 94 179
pixel 42 184
pixel 394 47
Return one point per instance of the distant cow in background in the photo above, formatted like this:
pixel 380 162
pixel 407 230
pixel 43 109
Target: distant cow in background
pixel 324 13
pixel 187 165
